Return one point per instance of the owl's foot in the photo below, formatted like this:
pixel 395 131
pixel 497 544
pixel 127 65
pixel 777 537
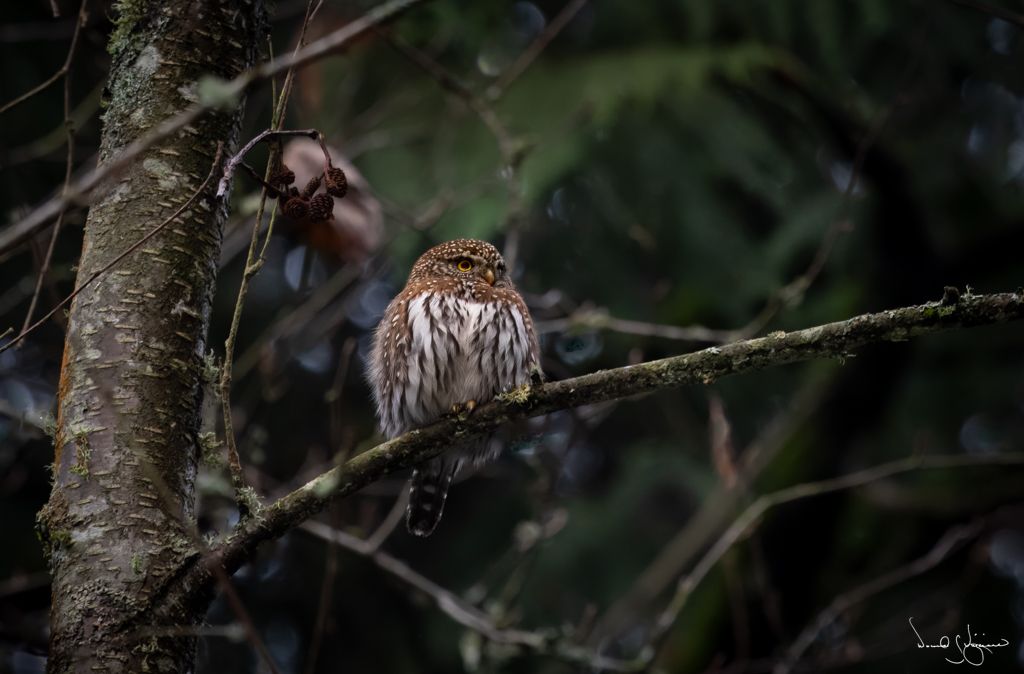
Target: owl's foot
pixel 466 408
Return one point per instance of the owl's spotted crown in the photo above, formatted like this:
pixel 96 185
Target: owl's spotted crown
pixel 444 260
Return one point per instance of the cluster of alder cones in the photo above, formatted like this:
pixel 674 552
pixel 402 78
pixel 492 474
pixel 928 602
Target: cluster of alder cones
pixel 307 206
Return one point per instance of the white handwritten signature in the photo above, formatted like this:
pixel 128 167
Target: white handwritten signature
pixel 970 652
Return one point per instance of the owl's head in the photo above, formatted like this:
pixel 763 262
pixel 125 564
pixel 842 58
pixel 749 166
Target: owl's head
pixel 467 260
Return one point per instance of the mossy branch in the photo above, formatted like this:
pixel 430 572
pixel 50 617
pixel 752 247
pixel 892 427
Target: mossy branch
pixel 833 340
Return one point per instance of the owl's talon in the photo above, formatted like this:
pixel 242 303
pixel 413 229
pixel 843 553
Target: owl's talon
pixel 458 409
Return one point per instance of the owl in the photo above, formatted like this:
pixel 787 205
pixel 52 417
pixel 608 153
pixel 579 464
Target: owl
pixel 457 335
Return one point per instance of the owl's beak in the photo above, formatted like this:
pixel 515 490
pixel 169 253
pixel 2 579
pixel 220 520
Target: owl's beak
pixel 489 276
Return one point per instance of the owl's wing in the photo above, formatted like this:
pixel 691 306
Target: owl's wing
pixel 526 332
pixel 414 365
pixel 387 369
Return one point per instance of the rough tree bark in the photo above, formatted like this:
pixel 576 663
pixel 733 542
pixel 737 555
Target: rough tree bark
pixel 126 446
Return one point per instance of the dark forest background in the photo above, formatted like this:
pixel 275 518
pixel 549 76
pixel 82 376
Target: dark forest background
pixel 747 166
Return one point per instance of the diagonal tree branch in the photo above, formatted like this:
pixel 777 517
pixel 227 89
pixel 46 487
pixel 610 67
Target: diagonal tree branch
pixel 227 97
pixel 753 514
pixel 832 340
pixel 950 542
pixel 83 15
pixel 121 256
pixel 550 642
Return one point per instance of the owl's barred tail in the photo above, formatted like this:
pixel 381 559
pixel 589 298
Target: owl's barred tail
pixel 427 493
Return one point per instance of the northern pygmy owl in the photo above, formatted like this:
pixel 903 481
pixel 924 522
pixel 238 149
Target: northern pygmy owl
pixel 457 335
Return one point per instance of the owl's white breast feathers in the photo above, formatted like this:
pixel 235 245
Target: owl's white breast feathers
pixel 460 350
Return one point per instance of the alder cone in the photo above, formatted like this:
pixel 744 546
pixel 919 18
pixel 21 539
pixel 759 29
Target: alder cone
pixel 337 183
pixel 357 227
pixel 296 208
pixel 311 187
pixel 321 208
pixel 284 176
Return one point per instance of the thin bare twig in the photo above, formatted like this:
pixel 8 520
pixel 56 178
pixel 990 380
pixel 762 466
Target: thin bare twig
pixel 69 131
pixel 446 200
pixel 754 514
pixel 600 319
pixel 543 642
pixel 515 157
pixel 55 138
pixel 273 133
pixel 245 498
pixel 795 289
pixel 333 396
pixel 296 319
pixel 387 527
pixel 62 71
pixel 233 90
pixel 450 83
pixel 788 294
pixel 448 602
pixel 272 191
pixel 128 251
pixel 23 582
pixel 277 120
pixel 950 542
pixel 512 150
pixel 722 451
pixel 717 510
pixel 526 59
pixel 325 602
pixel 591 318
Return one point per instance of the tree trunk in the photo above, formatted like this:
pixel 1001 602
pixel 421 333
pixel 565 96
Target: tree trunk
pixel 126 447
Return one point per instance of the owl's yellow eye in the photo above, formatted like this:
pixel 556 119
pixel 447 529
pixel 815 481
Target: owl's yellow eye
pixel 464 265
